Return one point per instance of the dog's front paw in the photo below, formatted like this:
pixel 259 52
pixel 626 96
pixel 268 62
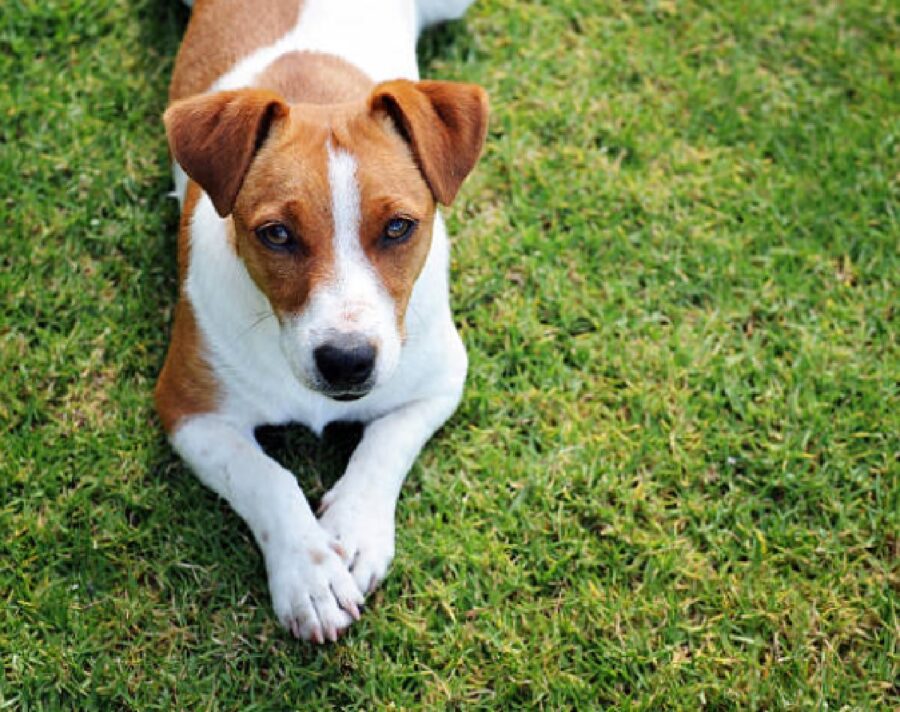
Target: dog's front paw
pixel 313 594
pixel 364 529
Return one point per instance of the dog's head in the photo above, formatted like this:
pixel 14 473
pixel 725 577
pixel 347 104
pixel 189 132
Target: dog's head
pixel 333 208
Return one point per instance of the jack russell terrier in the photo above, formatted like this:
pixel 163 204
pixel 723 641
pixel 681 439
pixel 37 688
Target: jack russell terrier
pixel 309 161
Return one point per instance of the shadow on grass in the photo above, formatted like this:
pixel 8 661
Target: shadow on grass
pixel 317 462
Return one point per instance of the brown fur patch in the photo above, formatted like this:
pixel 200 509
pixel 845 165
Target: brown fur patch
pixel 314 78
pixel 288 183
pixel 187 385
pixel 222 32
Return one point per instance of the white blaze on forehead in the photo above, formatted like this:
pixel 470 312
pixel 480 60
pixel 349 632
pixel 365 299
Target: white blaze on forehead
pixel 356 291
pixel 345 209
pixel 354 299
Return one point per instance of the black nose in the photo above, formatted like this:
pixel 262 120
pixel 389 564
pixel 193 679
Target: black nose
pixel 345 362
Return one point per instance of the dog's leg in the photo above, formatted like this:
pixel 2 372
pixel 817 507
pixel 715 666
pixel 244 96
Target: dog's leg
pixel 313 594
pixel 359 510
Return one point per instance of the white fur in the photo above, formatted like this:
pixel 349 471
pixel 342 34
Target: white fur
pixel 373 36
pixel 265 368
pixel 354 300
pixel 181 182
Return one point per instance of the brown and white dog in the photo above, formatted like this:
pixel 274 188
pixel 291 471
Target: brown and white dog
pixel 313 262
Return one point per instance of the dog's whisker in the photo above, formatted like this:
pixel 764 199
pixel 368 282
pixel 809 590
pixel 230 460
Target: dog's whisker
pixel 259 320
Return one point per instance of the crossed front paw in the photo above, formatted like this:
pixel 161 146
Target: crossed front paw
pixel 313 594
pixel 363 526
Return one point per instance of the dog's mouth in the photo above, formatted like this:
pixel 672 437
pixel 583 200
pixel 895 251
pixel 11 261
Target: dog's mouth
pixel 344 396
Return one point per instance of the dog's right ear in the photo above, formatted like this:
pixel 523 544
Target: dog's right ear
pixel 214 138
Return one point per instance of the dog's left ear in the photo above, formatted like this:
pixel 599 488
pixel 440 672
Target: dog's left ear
pixel 445 124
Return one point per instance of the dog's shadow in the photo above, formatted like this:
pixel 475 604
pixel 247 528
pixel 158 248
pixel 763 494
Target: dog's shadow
pixel 317 462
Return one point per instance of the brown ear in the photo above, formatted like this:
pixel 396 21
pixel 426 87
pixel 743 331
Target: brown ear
pixel 444 122
pixel 214 138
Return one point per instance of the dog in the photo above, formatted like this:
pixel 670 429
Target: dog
pixel 309 162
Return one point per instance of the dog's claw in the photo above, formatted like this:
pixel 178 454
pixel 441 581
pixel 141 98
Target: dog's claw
pixel 353 610
pixel 323 505
pixel 338 549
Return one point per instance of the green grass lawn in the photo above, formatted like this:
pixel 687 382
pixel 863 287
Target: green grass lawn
pixel 673 482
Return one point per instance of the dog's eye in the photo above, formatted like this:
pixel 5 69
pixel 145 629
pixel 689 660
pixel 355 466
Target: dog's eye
pixel 398 229
pixel 275 236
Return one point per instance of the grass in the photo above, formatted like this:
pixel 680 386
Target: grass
pixel 673 480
